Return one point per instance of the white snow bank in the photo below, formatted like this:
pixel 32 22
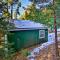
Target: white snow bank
pixel 51 37
pixel 31 57
pixel 58 30
pixel 38 49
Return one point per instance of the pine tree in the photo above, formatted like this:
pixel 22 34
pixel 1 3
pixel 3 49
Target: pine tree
pixel 4 27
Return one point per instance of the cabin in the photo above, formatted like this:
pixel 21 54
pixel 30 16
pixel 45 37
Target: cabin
pixel 27 33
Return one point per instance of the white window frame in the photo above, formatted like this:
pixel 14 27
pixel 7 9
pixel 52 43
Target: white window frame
pixel 41 32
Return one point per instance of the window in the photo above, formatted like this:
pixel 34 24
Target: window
pixel 41 34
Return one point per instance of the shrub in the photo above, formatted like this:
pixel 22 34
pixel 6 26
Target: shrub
pixel 25 52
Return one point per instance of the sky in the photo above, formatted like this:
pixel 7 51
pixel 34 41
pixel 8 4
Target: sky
pixel 24 3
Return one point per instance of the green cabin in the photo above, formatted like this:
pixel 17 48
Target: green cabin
pixel 27 33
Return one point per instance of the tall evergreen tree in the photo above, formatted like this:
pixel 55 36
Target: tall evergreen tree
pixel 5 26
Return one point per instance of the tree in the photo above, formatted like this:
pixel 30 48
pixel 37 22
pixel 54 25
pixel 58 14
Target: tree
pixel 5 26
pixel 7 47
pixel 12 3
pixel 43 16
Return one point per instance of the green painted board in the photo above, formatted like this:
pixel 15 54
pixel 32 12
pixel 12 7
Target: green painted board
pixel 26 38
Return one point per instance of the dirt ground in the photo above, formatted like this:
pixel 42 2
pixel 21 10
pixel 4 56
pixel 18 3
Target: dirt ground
pixel 45 54
pixel 48 54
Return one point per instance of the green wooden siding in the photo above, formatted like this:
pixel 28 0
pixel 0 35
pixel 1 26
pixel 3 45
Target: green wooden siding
pixel 26 38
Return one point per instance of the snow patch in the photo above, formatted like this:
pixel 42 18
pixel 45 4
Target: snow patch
pixel 38 49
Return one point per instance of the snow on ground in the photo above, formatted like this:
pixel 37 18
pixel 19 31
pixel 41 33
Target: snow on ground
pixel 36 51
pixel 51 36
